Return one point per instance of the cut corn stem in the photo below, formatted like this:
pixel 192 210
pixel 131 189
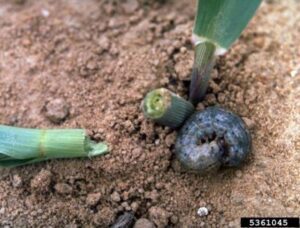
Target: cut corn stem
pixel 203 64
pixel 166 108
pixel 20 146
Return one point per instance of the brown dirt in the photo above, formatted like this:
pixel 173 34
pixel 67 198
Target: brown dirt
pixel 99 58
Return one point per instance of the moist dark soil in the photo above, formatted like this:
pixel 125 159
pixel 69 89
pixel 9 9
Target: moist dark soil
pixel 88 64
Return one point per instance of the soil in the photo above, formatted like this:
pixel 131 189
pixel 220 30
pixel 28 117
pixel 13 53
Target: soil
pixel 96 60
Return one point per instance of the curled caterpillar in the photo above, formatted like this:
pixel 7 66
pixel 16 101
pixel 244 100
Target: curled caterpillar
pixel 212 138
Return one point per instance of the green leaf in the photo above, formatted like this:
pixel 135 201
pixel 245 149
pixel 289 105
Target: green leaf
pixel 20 146
pixel 222 21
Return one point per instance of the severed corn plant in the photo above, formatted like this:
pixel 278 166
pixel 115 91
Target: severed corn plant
pixel 218 24
pixel 166 108
pixel 21 146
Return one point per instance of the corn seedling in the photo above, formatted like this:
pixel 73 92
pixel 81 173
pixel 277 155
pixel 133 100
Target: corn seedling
pixel 218 24
pixel 20 146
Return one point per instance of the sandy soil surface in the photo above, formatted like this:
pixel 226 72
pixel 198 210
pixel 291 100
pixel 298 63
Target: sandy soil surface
pixel 91 62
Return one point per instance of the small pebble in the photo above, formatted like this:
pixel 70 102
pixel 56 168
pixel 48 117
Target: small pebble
pixel 159 185
pixel 202 211
pixel 126 206
pixel 134 206
pixel 233 224
pixel 183 49
pixel 41 182
pixel 239 173
pixel 153 195
pixel 294 73
pixel 2 210
pixel 93 199
pixel 290 210
pixel 109 8
pixel 45 13
pixel 130 6
pixel 63 188
pixel 115 196
pixel 157 141
pixel 174 219
pixel 170 139
pixel 159 216
pixel 250 123
pixel 104 44
pixel 215 74
pixel 210 99
pixel 104 217
pixel 221 97
pixel 215 87
pixel 57 110
pixel 92 65
pixel 237 198
pixel 16 181
pixel 200 107
pixel 143 223
pixel 209 207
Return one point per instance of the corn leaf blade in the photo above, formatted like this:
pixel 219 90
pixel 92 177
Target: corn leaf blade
pixel 222 21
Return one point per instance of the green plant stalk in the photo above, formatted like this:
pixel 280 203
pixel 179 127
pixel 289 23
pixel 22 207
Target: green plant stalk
pixel 20 146
pixel 220 23
pixel 203 64
pixel 166 108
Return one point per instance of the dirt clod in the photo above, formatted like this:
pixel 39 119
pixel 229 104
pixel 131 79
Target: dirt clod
pixel 115 196
pixel 63 188
pixel 249 122
pixel 130 6
pixel 41 182
pixel 134 206
pixel 104 217
pixel 17 181
pixel 153 196
pixel 159 216
pixel 57 110
pixel 103 44
pixel 93 198
pixel 144 223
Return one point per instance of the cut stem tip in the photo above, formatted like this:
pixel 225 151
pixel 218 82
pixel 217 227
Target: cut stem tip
pixel 166 108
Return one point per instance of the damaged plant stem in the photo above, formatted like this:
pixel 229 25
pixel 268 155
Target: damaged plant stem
pixel 166 108
pixel 21 146
pixel 214 137
pixel 218 24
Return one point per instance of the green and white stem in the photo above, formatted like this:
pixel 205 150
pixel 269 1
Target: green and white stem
pixel 166 108
pixel 21 146
pixel 218 24
pixel 203 63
